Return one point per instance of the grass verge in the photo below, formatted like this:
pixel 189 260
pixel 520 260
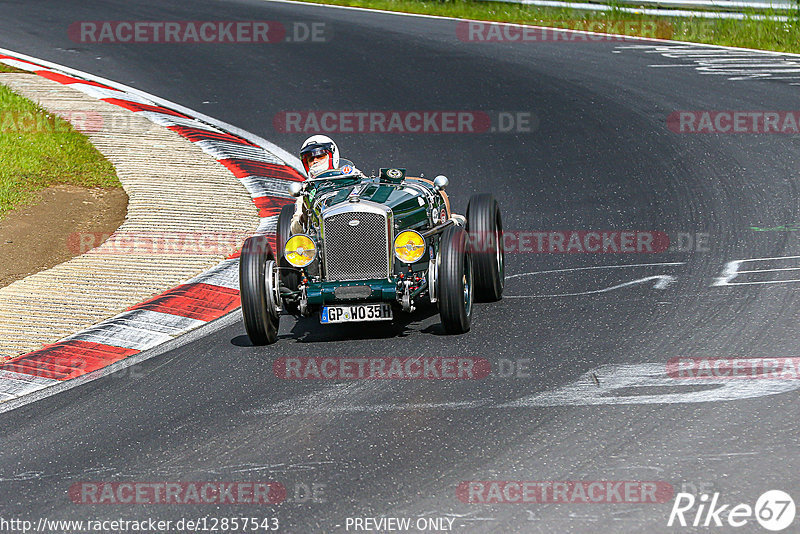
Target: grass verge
pixel 6 68
pixel 38 149
pixel 749 33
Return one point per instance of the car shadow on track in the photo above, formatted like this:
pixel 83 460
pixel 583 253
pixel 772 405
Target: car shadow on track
pixel 310 330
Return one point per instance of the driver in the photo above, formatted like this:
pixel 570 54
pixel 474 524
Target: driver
pixel 319 154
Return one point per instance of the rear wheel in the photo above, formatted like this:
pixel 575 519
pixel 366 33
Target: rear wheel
pixel 455 281
pixel 485 228
pixel 257 289
pixel 290 277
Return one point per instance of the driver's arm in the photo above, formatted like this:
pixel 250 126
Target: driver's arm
pixel 299 218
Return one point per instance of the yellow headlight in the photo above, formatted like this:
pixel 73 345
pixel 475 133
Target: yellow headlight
pixel 300 250
pixel 409 246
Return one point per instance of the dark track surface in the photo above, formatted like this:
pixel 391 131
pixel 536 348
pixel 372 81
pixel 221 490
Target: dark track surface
pixel 601 158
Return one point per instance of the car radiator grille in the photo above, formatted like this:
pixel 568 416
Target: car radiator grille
pixel 357 252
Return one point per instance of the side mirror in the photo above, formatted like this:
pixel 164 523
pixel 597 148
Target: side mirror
pixel 295 189
pixel 440 182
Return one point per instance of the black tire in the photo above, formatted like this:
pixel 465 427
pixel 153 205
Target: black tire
pixel 485 228
pixel 455 281
pixel 260 318
pixel 290 277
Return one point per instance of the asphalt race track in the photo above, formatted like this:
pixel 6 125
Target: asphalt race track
pixel 571 396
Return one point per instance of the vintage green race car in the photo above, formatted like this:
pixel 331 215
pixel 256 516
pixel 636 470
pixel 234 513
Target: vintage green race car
pixel 372 247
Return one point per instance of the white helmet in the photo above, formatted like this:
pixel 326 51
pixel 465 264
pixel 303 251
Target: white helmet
pixel 315 146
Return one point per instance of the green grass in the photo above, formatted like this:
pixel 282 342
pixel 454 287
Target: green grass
pixel 6 68
pixel 765 35
pixel 38 150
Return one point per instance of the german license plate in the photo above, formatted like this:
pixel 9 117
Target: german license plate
pixel 361 312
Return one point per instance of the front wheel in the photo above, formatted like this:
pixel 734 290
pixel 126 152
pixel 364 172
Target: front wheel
pixel 455 281
pixel 257 288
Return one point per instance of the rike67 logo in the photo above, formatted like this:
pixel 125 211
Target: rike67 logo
pixel 774 510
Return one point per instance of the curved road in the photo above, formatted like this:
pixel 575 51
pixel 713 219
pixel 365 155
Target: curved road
pixel 599 158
